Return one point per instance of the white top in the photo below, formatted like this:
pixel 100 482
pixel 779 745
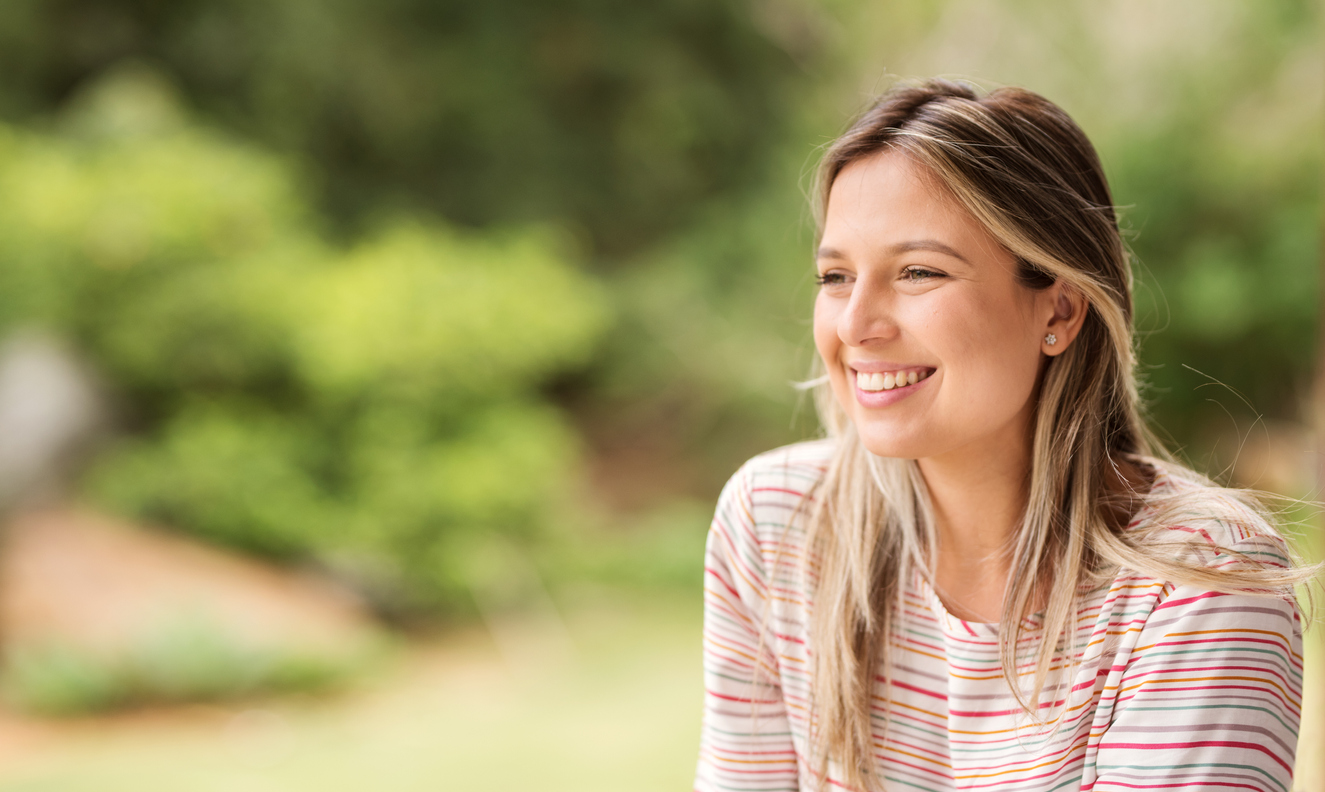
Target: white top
pixel 1175 688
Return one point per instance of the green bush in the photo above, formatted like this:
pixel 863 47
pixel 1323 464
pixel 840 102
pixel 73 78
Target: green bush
pixel 185 661
pixel 58 680
pixel 371 407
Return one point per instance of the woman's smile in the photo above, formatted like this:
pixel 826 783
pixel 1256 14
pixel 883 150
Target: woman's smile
pixel 879 385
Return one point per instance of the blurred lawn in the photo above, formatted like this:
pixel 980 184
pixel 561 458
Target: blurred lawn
pixel 623 713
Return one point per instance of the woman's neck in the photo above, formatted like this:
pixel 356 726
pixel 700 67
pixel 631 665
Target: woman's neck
pixel 979 498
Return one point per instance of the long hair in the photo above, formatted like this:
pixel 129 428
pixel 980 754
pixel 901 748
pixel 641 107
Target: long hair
pixel 1027 172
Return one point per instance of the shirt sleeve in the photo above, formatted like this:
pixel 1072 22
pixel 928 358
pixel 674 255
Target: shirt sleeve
pixel 1212 694
pixel 745 741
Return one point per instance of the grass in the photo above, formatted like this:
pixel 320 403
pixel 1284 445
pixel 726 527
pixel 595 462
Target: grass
pixel 622 712
pixel 185 661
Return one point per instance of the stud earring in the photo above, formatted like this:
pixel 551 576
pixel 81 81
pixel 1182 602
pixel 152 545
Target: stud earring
pixel 1051 339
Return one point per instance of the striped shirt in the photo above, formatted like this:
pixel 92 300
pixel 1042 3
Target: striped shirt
pixel 1173 687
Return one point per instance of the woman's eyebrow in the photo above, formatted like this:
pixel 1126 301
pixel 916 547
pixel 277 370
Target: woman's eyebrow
pixel 926 244
pixel 900 248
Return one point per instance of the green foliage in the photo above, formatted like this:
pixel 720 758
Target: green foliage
pixel 187 661
pixel 715 330
pixel 1223 194
pixel 658 552
pixel 237 477
pixel 498 316
pixel 368 407
pixel 611 117
pixel 505 470
pixel 62 681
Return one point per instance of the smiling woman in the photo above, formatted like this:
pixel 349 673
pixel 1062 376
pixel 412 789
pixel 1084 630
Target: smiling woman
pixel 990 575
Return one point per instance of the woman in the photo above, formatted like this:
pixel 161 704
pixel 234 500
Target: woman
pixel 990 576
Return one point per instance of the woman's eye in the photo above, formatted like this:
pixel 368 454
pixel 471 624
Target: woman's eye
pixel 831 279
pixel 919 274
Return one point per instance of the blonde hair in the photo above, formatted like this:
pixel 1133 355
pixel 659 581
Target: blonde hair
pixel 1027 172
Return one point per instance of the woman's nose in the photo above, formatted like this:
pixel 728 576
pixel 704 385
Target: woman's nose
pixel 868 317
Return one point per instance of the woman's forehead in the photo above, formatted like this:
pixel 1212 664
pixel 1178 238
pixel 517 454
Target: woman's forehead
pixel 887 203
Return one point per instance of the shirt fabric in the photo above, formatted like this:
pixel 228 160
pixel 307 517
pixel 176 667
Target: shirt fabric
pixel 1174 687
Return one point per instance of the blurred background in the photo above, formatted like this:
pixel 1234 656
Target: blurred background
pixel 368 371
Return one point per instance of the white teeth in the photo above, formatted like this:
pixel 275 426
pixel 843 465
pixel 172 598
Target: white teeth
pixel 876 381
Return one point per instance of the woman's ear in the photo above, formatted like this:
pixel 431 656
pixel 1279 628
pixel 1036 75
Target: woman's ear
pixel 1067 311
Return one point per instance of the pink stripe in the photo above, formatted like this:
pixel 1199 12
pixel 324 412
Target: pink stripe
pixel 1198 744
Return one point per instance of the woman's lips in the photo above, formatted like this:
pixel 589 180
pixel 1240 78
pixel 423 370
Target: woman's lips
pixel 881 388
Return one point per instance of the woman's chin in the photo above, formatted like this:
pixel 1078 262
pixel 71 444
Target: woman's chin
pixel 891 446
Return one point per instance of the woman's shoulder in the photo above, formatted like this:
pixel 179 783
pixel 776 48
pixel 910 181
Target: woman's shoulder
pixel 769 492
pixel 1203 559
pixel 792 470
pixel 759 516
pixel 1206 522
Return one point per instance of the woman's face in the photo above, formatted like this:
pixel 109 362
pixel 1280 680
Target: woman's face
pixel 932 345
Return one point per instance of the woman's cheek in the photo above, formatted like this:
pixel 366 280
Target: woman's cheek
pixel 826 315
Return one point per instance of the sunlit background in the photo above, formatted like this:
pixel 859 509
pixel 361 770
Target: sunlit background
pixel 368 370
